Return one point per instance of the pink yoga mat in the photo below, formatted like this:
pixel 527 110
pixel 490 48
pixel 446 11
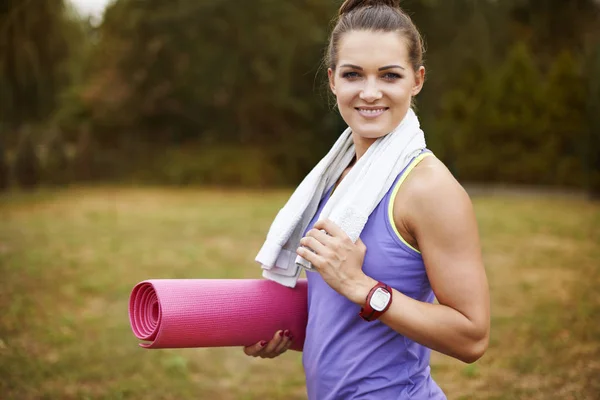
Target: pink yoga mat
pixel 177 313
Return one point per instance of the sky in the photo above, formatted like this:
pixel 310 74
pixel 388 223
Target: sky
pixel 93 8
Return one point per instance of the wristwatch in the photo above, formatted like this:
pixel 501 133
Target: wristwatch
pixel 377 302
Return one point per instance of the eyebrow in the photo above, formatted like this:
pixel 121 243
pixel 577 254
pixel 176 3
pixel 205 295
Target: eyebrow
pixel 380 69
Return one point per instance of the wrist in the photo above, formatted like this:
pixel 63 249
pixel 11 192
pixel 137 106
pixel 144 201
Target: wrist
pixel 377 302
pixel 359 290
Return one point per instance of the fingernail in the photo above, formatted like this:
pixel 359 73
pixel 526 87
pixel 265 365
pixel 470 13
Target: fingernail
pixel 262 344
pixel 281 333
pixel 287 333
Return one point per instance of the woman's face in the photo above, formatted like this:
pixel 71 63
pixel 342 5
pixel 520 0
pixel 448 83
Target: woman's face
pixel 374 81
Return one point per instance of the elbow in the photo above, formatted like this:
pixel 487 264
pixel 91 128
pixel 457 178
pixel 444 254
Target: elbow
pixel 473 354
pixel 475 350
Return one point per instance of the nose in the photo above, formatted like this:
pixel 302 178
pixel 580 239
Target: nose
pixel 370 92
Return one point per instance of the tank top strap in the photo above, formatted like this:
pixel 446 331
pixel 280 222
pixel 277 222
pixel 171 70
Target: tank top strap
pixel 394 191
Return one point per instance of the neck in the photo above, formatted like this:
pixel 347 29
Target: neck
pixel 361 145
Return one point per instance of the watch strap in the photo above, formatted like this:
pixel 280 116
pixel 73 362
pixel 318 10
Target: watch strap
pixel 367 312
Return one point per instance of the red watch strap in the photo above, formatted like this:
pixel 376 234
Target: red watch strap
pixel 367 312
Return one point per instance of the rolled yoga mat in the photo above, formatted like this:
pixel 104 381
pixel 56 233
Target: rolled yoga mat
pixel 178 313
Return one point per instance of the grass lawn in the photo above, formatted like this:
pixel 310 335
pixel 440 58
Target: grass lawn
pixel 69 258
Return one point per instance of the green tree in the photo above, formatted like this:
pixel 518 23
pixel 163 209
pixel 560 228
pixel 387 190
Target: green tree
pixel 212 72
pixel 592 142
pixel 84 162
pixel 505 130
pixel 4 171
pixel 26 165
pixel 71 112
pixel 563 145
pixel 228 78
pixel 56 165
pixel 176 71
pixel 33 52
pixel 551 26
pixel 462 89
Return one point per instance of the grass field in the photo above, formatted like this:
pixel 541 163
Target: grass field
pixel 69 258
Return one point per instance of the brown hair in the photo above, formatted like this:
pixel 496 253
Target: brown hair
pixel 375 15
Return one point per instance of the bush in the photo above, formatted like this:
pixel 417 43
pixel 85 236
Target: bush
pixel 27 165
pixel 592 142
pixel 83 162
pixel 217 165
pixel 3 168
pixel 56 166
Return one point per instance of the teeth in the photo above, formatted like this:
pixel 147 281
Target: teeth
pixel 372 111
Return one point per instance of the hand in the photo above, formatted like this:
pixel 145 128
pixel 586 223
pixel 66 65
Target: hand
pixel 281 341
pixel 337 259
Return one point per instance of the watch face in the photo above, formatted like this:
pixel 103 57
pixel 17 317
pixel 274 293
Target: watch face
pixel 380 299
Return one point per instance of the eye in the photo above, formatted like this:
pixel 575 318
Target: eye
pixel 350 75
pixel 391 76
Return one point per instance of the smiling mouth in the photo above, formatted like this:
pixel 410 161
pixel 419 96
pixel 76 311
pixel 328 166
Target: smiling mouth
pixel 371 112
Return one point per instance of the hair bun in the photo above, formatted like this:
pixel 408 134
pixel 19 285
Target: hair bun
pixel 350 5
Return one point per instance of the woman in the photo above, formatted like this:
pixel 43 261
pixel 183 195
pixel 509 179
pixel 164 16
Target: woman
pixel 420 242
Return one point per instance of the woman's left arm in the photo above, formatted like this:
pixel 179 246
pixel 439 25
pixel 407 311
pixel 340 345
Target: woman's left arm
pixel 443 223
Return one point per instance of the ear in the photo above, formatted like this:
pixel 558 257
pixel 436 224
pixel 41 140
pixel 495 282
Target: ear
pixel 331 76
pixel 419 80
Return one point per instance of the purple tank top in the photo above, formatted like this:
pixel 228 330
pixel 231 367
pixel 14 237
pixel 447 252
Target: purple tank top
pixel 345 357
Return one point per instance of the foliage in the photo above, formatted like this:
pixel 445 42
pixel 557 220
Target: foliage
pixel 564 142
pixel 159 80
pixel 518 124
pixel 207 70
pixel 237 166
pixel 507 128
pixel 592 142
pixel 34 47
pixel 85 165
pixel 4 171
pixel 56 164
pixel 27 168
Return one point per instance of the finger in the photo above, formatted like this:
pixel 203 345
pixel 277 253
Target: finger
pixel 331 228
pixel 320 235
pixel 289 343
pixel 314 245
pixel 272 345
pixel 315 259
pixel 255 349
pixel 284 342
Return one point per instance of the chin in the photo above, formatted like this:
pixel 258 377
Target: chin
pixel 372 132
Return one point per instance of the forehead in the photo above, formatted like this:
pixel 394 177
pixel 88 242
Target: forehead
pixel 368 48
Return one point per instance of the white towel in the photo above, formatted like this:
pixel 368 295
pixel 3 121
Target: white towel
pixel 351 203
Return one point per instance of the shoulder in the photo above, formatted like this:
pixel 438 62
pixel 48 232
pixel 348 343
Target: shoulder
pixel 431 178
pixel 430 193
